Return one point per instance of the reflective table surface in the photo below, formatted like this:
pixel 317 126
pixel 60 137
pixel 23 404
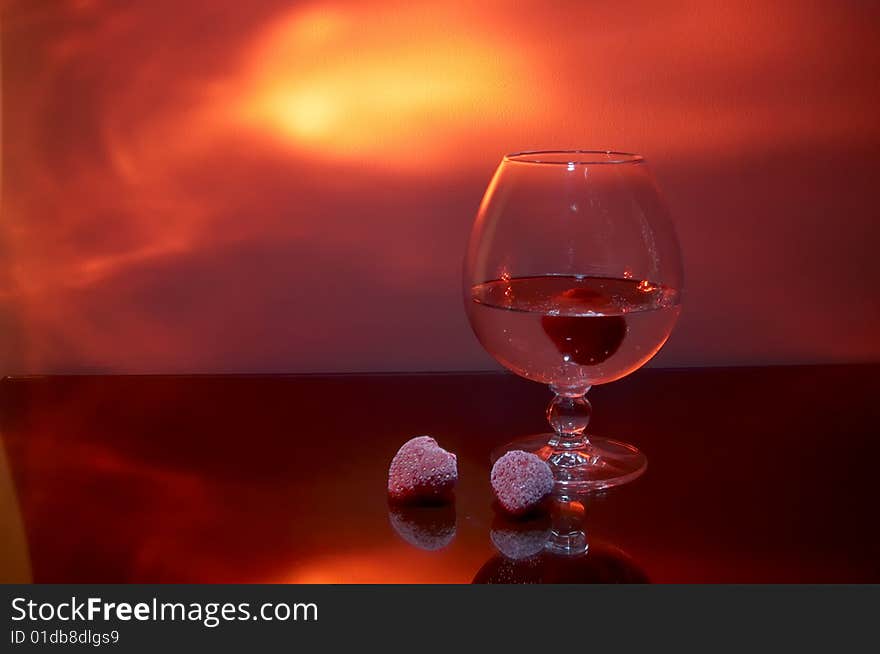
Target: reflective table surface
pixel 754 475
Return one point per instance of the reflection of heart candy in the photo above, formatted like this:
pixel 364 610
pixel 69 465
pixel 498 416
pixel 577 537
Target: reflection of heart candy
pixel 587 341
pixel 429 528
pixel 519 540
pixel 422 471
pixel 521 481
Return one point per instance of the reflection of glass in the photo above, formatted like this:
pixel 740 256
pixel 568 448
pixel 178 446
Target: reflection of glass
pixel 605 564
pixel 429 528
pixel 554 550
pixel 573 278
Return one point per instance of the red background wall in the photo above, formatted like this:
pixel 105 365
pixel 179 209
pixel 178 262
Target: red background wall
pixel 272 186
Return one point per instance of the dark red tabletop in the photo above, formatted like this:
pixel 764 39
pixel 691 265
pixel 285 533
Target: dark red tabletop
pixel 754 475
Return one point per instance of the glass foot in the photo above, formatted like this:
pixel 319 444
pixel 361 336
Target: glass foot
pixel 595 465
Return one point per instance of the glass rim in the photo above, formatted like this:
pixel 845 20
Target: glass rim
pixel 574 157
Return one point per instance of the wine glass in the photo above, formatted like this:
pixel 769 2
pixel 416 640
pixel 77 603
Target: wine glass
pixel 573 278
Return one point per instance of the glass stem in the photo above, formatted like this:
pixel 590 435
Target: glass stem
pixel 568 415
pixel 568 536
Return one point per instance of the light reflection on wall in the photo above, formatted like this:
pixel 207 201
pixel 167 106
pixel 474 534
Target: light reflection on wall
pixel 351 84
pixel 288 187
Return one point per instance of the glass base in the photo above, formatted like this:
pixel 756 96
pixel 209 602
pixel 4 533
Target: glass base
pixel 599 464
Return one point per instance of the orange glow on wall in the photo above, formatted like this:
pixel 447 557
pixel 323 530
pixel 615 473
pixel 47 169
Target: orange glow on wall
pixel 277 187
pixel 393 84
